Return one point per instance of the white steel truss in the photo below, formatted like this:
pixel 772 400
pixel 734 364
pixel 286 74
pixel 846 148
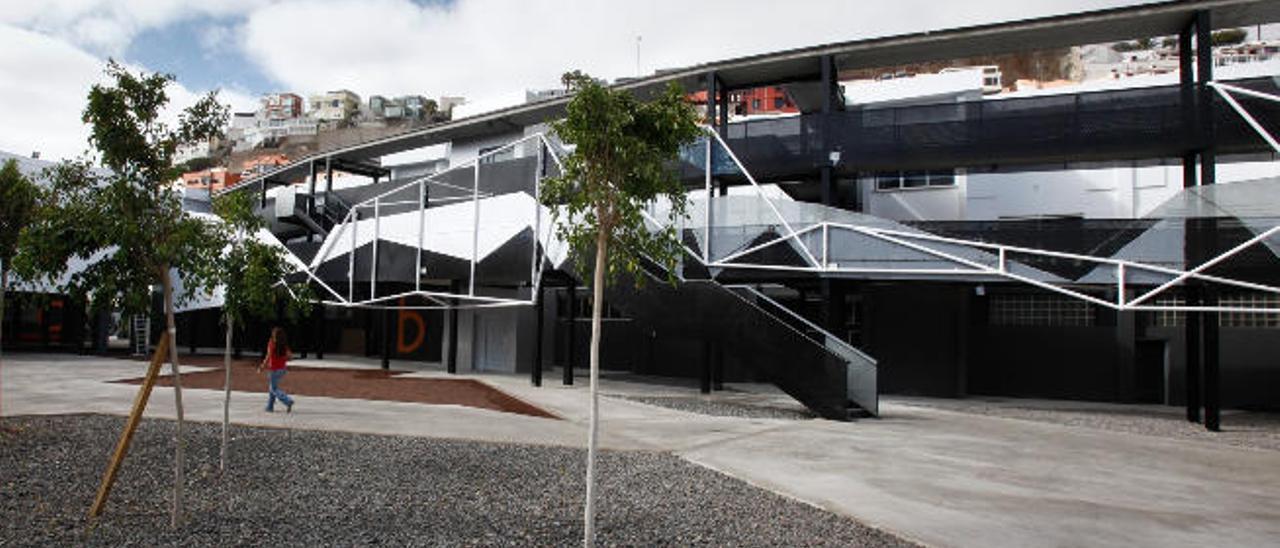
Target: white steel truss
pixel 932 245
pixel 436 299
pixel 817 261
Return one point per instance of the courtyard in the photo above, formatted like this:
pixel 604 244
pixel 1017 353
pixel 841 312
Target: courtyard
pixel 745 466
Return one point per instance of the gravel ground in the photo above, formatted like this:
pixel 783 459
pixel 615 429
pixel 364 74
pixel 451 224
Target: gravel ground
pixel 297 487
pixel 720 407
pixel 1239 428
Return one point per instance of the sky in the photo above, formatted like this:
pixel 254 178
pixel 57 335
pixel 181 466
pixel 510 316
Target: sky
pixel 489 51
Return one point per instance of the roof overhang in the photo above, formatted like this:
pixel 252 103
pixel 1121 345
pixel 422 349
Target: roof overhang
pixel 802 64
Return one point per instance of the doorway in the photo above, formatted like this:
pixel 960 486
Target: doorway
pixel 1150 364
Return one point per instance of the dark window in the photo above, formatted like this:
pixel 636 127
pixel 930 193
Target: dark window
pixel 755 104
pixel 942 177
pixel 915 179
pixel 887 180
pixel 777 102
pixel 508 153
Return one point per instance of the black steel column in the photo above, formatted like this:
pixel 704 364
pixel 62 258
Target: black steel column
pixel 1207 228
pixel 328 177
pixel 723 115
pixel 829 84
pixel 1187 81
pixel 717 370
pixel 451 361
pixel 705 377
pixel 572 348
pixel 101 323
pixel 1191 332
pixel 311 190
pixel 1204 75
pixel 386 338
pixel 1212 395
pixel 318 329
pixel 713 94
pixel 829 96
pixel 827 181
pixel 536 370
pixel 262 197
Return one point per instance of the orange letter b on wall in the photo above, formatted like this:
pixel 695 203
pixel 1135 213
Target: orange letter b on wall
pixel 409 316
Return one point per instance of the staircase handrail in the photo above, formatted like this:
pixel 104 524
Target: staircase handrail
pixel 842 346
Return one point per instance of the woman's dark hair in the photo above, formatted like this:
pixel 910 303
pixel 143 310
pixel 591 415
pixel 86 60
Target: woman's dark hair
pixel 281 339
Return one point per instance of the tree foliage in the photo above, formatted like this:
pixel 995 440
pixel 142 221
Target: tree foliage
pixel 126 219
pixel 1228 37
pixel 622 160
pixel 253 273
pixel 18 199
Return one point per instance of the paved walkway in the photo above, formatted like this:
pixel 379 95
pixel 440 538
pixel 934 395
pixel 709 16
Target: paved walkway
pixel 936 476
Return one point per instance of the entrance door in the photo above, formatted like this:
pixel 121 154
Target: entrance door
pixel 494 341
pixel 1149 369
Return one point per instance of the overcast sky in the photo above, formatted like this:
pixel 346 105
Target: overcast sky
pixel 489 51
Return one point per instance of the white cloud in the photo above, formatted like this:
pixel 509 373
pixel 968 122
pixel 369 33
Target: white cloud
pixel 107 26
pixel 43 85
pixel 491 50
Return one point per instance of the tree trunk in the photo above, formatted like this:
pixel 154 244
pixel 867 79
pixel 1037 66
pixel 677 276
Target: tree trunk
pixel 597 291
pixel 172 331
pixel 226 398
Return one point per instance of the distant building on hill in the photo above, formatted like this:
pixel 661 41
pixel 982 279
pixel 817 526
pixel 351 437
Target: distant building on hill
pixel 281 106
pixel 212 179
pixel 335 106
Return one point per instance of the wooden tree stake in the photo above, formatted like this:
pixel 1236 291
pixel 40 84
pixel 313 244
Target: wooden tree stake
pixel 135 416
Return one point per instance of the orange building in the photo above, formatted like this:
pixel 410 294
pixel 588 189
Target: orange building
pixel 214 179
pixel 261 164
pixel 765 100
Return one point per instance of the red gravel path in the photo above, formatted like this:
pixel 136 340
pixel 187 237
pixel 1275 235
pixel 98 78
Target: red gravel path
pixel 365 384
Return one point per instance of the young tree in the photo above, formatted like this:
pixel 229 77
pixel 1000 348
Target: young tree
pixel 253 280
pixel 621 163
pixel 126 222
pixel 18 199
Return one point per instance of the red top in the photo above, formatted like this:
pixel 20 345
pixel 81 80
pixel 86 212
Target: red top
pixel 275 362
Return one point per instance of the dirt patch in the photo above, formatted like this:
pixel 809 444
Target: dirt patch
pixel 364 384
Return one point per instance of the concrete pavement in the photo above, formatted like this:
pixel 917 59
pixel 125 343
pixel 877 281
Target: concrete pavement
pixel 939 477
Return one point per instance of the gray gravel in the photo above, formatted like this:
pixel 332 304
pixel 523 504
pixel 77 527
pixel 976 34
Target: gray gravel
pixel 719 407
pixel 295 487
pixel 1239 428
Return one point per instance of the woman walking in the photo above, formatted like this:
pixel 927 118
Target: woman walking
pixel 276 361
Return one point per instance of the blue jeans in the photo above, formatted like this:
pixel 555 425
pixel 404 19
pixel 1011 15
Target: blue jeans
pixel 274 392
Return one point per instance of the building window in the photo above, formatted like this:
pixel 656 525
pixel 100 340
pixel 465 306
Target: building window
pixel 755 104
pixel 509 153
pixel 1249 319
pixel 888 180
pixel 778 102
pixel 915 179
pixel 898 180
pixel 1167 318
pixel 1040 311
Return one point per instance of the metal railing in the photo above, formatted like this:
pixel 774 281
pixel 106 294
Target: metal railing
pixel 862 369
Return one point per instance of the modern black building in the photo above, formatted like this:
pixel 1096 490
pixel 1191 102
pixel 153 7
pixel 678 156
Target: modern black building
pixel 789 277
